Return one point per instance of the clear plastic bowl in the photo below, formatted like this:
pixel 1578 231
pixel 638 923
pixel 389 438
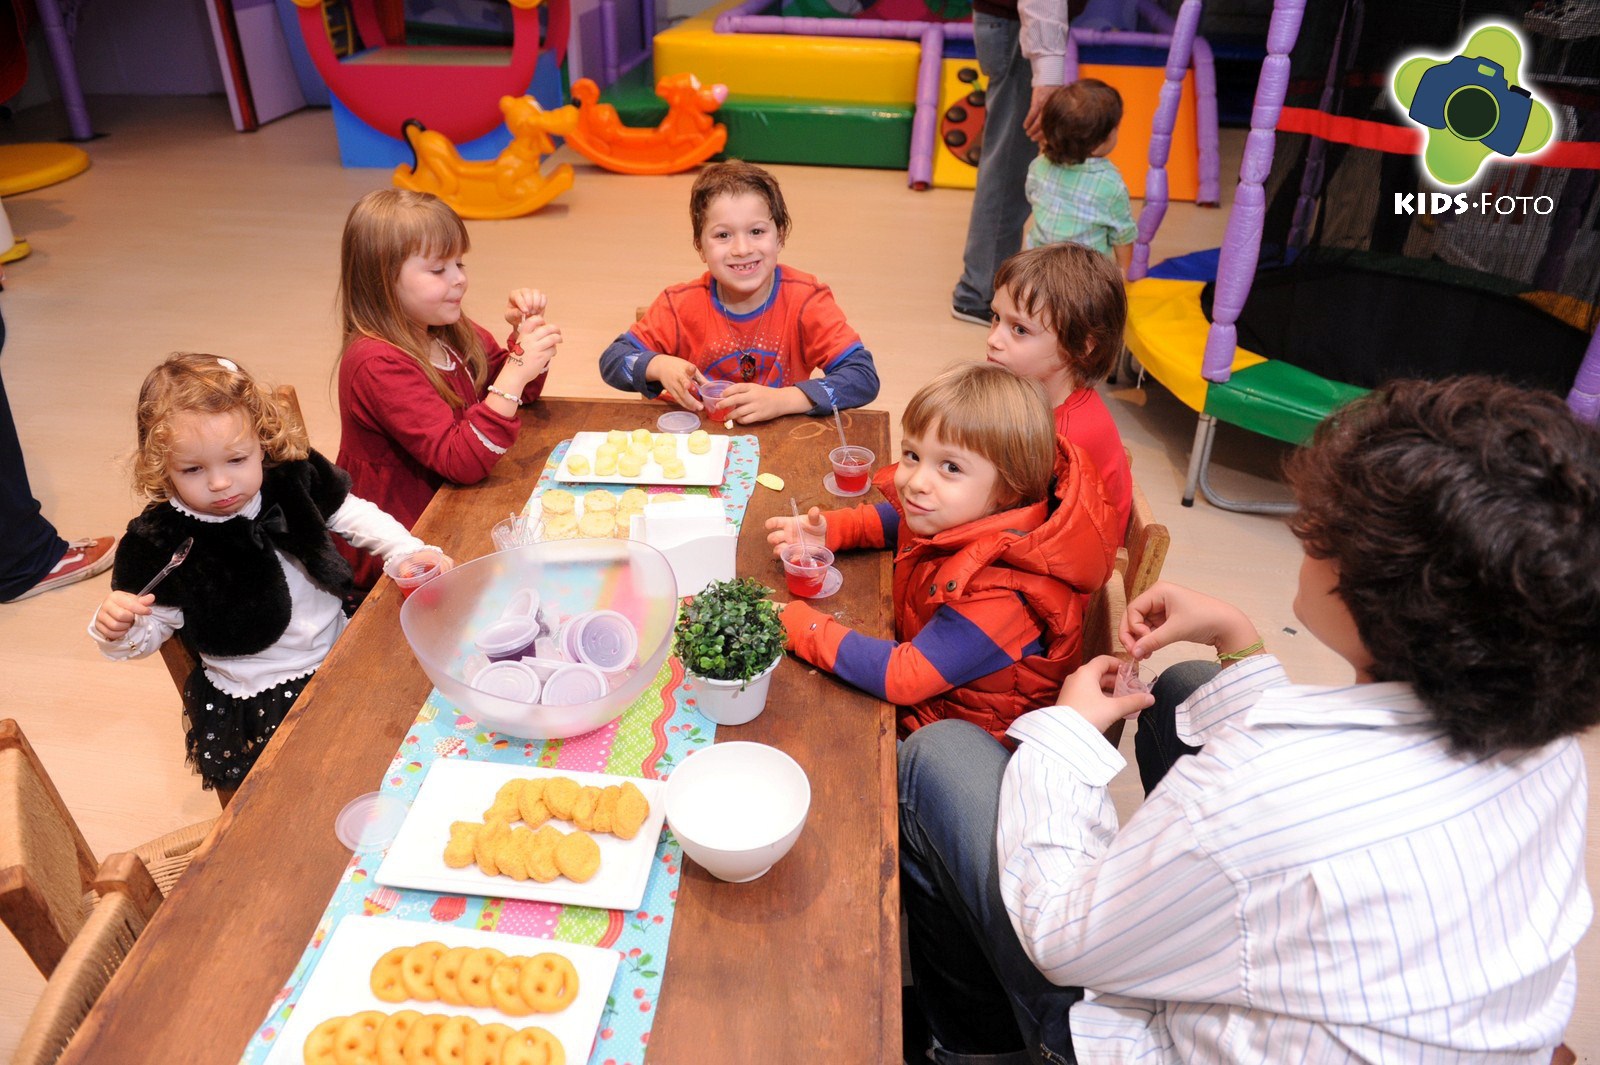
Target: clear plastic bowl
pixel 572 577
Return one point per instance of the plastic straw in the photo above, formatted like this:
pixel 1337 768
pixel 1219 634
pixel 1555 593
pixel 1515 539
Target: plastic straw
pixel 839 425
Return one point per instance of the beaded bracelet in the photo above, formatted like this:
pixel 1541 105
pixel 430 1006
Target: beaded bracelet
pixel 1234 656
pixel 493 391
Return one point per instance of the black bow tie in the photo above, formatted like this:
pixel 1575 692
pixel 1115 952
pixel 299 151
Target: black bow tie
pixel 270 523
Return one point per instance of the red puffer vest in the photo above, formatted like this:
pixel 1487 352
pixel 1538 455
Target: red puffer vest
pixel 1052 554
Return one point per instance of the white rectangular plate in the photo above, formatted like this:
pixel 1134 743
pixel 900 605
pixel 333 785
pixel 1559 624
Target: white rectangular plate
pixel 341 983
pixel 460 790
pixel 704 469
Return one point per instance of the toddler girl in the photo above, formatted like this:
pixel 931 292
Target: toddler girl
pixel 260 594
pixel 425 394
pixel 999 529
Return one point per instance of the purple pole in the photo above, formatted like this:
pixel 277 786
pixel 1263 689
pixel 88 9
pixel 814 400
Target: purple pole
pixel 1155 186
pixel 55 32
pixel 1584 399
pixel 1241 246
pixel 608 41
pixel 919 175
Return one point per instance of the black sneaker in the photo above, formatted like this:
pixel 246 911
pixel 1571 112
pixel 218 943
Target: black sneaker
pixel 961 313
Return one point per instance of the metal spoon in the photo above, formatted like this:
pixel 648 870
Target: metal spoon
pixel 177 560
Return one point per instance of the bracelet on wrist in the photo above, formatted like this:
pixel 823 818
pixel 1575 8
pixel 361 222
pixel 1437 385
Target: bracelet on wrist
pixel 503 394
pixel 1234 656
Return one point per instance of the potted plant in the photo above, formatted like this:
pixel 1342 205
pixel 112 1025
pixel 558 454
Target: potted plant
pixel 730 639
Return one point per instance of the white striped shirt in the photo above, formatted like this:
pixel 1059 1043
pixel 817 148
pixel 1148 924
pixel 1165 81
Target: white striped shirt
pixel 1324 882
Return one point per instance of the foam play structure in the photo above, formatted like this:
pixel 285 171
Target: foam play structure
pixel 453 91
pixel 1334 277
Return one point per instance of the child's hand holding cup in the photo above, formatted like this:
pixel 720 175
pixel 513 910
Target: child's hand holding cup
pixel 784 531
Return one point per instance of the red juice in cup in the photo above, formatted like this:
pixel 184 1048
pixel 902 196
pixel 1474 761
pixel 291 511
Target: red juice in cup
pixel 852 468
pixel 412 571
pixel 711 396
pixel 805 568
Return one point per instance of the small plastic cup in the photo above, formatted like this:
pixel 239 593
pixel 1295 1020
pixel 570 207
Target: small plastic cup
pixel 516 681
pixel 574 683
pixel 524 602
pixel 545 667
pixel 606 640
pixel 1130 681
pixel 411 571
pixel 370 821
pixel 711 396
pixel 852 468
pixel 509 638
pixel 805 568
pixel 678 421
pixel 516 532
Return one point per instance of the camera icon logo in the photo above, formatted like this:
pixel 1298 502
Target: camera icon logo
pixel 1472 105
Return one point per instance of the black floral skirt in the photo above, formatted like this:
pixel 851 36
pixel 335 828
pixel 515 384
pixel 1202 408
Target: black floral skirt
pixel 225 734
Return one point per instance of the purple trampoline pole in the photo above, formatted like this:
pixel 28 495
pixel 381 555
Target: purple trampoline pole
pixel 608 41
pixel 919 175
pixel 1241 246
pixel 1584 399
pixel 1156 197
pixel 55 33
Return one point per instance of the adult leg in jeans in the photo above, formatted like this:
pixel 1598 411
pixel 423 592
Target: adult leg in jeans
pixel 1000 202
pixel 1156 744
pixel 984 999
pixel 29 545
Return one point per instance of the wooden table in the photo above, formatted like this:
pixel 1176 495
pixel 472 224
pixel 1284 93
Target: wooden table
pixel 801 965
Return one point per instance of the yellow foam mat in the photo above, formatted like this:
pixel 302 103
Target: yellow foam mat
pixel 1167 331
pixel 845 70
pixel 25 167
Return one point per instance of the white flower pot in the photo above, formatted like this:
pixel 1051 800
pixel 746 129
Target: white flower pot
pixel 733 702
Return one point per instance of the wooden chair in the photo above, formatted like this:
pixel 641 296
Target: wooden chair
pixel 47 871
pixel 176 654
pixel 128 899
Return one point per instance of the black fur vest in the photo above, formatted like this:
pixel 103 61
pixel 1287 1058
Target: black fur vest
pixel 231 588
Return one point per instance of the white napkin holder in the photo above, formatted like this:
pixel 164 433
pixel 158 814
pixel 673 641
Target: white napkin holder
pixel 700 543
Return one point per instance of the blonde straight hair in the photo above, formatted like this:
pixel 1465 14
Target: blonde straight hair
pixel 988 410
pixel 385 228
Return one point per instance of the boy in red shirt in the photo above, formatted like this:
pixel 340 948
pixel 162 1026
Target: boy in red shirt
pixel 747 320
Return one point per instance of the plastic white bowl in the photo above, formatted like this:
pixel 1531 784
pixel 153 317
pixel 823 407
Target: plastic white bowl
pixel 443 617
pixel 737 808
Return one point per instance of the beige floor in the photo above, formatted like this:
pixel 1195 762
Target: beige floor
pixel 185 235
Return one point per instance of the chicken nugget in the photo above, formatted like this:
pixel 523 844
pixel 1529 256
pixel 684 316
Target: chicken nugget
pixel 605 811
pixel 505 802
pixel 578 856
pixel 632 811
pixel 488 845
pixel 531 804
pixel 542 854
pixel 559 795
pixel 461 851
pixel 583 807
pixel 510 855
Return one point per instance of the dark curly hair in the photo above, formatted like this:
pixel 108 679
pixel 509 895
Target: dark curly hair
pixel 1463 517
pixel 1077 119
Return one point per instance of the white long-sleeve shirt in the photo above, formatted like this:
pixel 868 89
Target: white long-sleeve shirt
pixel 1324 882
pixel 316 617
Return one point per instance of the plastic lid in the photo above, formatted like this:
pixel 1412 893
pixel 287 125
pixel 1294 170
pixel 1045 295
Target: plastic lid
pixel 508 635
pixel 574 684
pixel 509 680
pixel 606 640
pixel 524 603
pixel 370 821
pixel 545 667
pixel 678 421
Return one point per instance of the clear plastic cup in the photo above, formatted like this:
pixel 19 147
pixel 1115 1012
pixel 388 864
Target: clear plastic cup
pixel 606 640
pixel 574 683
pixel 516 531
pixel 516 681
pixel 411 571
pixel 370 821
pixel 1131 680
pixel 711 396
pixel 805 568
pixel 509 638
pixel 852 468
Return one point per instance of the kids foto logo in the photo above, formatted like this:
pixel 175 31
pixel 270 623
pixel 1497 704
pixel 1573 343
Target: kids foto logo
pixel 1472 105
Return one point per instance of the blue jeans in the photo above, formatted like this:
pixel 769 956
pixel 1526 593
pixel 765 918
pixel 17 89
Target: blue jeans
pixel 984 999
pixel 29 546
pixel 1156 745
pixel 1000 201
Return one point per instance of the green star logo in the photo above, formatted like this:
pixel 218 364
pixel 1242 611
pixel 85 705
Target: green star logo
pixel 1473 105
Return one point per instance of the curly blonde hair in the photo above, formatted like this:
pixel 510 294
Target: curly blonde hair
pixel 195 383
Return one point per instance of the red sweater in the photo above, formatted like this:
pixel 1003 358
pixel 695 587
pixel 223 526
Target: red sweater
pixel 1084 419
pixel 988 615
pixel 400 440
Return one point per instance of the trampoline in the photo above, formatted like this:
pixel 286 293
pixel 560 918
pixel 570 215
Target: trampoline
pixel 1335 277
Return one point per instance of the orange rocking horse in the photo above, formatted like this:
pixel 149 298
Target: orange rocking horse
pixel 685 138
pixel 508 186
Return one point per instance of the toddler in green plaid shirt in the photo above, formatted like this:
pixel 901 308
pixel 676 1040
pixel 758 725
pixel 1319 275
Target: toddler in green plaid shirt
pixel 1077 193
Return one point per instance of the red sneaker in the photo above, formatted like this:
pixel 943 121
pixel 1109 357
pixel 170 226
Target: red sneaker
pixel 84 559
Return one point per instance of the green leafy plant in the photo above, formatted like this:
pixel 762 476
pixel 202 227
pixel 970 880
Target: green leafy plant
pixel 729 631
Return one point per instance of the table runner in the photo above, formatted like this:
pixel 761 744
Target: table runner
pixel 654 734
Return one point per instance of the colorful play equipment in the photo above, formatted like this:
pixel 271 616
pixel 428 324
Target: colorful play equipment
pixel 508 186
pixel 685 138
pixel 868 90
pixel 453 91
pixel 1340 269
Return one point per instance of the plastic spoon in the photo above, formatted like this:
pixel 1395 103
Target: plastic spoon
pixel 839 425
pixel 177 560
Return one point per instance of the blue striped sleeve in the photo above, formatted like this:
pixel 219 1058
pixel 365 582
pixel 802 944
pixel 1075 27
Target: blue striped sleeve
pixel 950 651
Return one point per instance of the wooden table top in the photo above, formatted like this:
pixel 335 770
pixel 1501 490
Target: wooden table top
pixel 803 964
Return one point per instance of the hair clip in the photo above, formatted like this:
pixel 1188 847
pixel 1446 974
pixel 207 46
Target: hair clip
pixel 228 364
